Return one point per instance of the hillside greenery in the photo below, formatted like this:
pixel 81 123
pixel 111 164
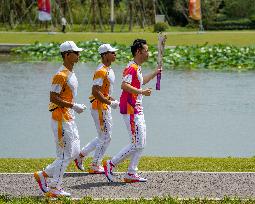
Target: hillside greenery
pixel 94 15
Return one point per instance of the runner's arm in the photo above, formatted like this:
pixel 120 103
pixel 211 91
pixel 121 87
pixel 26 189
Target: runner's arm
pixel 98 95
pixel 151 75
pixel 55 98
pixel 129 88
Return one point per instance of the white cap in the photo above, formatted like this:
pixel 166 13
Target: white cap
pixel 106 48
pixel 69 46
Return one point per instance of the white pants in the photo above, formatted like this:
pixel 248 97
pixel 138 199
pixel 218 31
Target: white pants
pixel 67 148
pixel 137 131
pixel 103 123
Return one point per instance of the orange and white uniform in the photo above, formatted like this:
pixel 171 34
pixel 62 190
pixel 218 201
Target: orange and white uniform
pixel 63 125
pixel 132 112
pixel 101 113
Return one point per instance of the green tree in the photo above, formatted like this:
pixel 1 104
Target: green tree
pixel 236 9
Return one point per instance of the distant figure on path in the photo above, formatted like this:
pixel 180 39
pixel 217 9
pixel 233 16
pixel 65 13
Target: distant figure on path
pixel 63 23
pixel 101 104
pixel 132 112
pixel 62 105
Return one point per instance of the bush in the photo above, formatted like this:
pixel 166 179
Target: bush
pixel 231 25
pixel 252 19
pixel 221 17
pixel 160 27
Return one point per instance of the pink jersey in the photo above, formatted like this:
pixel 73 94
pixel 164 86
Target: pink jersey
pixel 132 103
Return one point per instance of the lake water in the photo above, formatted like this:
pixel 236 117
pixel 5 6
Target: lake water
pixel 197 113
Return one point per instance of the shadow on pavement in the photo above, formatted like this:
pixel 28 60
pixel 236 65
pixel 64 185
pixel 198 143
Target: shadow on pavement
pixel 98 184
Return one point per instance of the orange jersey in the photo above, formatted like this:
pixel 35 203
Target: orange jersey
pixel 64 83
pixel 103 77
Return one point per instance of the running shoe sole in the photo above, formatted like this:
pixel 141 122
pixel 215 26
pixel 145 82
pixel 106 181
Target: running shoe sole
pixel 133 181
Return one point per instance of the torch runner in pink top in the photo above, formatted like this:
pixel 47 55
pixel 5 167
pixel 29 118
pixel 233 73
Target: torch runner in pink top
pixel 132 111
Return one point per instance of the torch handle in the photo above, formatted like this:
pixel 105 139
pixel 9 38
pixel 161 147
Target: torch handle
pixel 158 81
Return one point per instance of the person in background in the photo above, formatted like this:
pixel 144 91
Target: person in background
pixel 63 23
pixel 62 106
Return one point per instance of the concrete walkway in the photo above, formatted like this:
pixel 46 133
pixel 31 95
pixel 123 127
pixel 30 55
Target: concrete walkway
pixel 210 185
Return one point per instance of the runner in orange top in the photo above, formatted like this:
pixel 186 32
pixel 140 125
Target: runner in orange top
pixel 62 105
pixel 101 104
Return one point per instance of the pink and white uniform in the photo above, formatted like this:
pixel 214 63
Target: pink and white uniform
pixel 132 111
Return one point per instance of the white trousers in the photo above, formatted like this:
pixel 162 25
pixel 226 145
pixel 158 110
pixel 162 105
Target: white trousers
pixel 137 132
pixel 67 148
pixel 103 123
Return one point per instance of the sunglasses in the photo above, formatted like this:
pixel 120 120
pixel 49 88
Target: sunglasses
pixel 75 52
pixel 112 53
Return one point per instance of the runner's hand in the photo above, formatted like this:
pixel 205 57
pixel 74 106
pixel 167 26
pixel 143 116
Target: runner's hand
pixel 114 104
pixel 78 108
pixel 146 92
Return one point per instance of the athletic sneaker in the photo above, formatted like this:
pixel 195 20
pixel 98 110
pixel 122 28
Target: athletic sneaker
pixel 108 167
pixel 41 179
pixel 94 169
pixel 54 193
pixel 79 163
pixel 131 178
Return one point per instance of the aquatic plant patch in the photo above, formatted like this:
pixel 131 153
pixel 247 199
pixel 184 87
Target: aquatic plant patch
pixel 213 57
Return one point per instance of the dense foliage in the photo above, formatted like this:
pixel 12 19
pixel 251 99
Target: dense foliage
pixel 95 14
pixel 216 57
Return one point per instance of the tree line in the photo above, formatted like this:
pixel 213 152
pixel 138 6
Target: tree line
pixel 127 12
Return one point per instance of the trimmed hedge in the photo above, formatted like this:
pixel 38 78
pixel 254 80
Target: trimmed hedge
pixel 231 25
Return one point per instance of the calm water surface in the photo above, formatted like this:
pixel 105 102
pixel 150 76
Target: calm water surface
pixel 196 113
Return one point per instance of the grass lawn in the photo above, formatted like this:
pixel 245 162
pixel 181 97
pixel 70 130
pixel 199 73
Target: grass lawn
pixel 146 164
pixel 240 38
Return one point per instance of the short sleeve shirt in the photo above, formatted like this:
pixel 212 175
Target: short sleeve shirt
pixel 132 103
pixel 104 77
pixel 65 84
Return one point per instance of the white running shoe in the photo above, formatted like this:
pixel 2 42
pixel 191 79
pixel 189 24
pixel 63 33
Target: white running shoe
pixel 79 163
pixel 94 169
pixel 42 181
pixel 54 193
pixel 108 167
pixel 132 178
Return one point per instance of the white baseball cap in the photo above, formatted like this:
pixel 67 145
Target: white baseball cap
pixel 69 46
pixel 106 48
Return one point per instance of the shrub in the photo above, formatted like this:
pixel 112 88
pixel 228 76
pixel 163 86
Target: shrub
pixel 160 27
pixel 231 25
pixel 252 19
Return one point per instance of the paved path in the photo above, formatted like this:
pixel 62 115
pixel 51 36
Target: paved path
pixel 175 184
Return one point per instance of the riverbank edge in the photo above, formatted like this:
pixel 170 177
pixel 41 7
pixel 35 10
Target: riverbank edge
pixel 5 48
